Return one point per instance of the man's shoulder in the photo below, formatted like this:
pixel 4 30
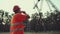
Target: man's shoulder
pixel 17 14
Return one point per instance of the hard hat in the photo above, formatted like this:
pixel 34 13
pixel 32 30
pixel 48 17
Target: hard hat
pixel 16 7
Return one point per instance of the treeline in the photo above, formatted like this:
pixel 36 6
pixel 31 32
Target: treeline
pixel 4 21
pixel 50 23
pixel 37 23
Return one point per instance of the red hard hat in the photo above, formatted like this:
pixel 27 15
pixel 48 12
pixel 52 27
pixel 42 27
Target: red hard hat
pixel 16 7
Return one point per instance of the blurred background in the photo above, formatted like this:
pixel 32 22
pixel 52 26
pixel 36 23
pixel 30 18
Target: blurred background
pixel 44 16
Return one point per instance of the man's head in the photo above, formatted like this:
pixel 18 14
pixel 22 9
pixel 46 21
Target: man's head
pixel 16 8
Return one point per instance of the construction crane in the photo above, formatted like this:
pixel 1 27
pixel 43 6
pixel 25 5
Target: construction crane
pixel 37 6
pixel 49 2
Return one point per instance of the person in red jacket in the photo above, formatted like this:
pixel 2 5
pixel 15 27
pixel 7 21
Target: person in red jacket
pixel 17 26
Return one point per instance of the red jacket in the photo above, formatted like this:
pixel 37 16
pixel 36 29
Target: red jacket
pixel 17 18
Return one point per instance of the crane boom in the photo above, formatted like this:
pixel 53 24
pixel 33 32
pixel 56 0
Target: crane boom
pixel 53 5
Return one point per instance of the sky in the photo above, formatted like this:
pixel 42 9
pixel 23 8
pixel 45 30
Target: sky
pixel 26 5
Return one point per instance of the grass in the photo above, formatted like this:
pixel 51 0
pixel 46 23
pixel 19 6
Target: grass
pixel 52 32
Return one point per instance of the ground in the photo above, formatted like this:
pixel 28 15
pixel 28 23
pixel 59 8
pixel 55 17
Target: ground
pixel 35 33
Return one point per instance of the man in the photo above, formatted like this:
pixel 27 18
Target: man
pixel 17 26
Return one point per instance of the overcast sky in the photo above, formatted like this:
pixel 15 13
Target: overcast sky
pixel 26 5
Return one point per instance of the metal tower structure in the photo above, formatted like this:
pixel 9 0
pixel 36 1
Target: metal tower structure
pixel 49 2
